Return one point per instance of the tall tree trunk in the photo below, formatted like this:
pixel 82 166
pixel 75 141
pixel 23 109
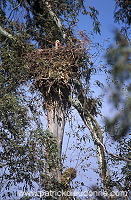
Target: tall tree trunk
pixel 56 125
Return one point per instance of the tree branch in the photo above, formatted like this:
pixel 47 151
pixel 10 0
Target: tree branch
pixel 55 18
pixel 100 149
pixel 14 8
pixel 87 119
pixel 6 34
pixel 125 144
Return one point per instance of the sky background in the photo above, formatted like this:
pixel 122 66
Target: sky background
pixel 106 9
pixel 106 39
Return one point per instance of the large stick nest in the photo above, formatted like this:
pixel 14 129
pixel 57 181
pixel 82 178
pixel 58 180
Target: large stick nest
pixel 54 69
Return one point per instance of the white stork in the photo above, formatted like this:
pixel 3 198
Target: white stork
pixel 57 44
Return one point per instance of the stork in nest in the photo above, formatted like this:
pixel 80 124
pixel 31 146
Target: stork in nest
pixel 57 44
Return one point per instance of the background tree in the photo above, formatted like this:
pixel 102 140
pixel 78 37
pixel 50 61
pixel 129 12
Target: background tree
pixel 122 14
pixel 120 71
pixel 118 58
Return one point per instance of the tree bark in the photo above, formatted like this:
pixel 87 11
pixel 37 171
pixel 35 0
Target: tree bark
pixel 56 125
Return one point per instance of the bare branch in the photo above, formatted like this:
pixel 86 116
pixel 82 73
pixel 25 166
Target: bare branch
pixel 104 148
pixel 6 34
pixel 125 144
pixel 87 119
pixel 119 157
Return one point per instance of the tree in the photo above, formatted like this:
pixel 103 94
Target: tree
pixel 118 57
pixel 119 60
pixel 55 80
pixel 122 14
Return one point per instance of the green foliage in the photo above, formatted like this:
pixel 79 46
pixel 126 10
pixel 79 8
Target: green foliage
pixel 41 26
pixel 121 170
pixel 12 115
pixel 119 59
pixel 22 160
pixel 125 151
pixel 96 23
pixel 122 12
pixel 12 68
pixel 50 144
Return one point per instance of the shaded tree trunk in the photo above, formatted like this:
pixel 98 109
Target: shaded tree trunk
pixel 56 125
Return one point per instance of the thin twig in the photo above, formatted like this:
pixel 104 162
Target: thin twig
pixel 125 144
pixel 91 118
pixel 14 9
